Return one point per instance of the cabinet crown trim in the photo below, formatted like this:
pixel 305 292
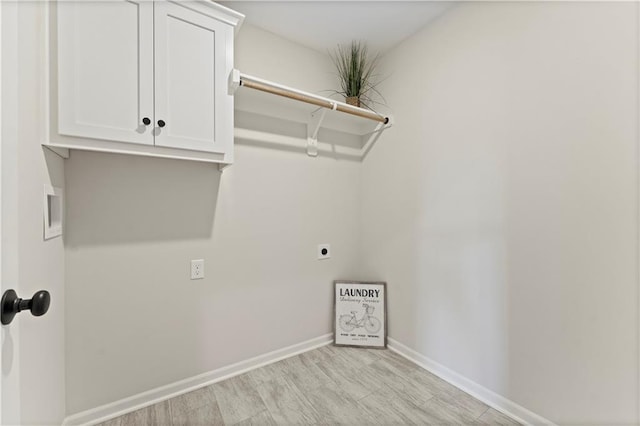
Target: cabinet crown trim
pixel 215 10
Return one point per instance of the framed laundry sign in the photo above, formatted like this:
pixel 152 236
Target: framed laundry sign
pixel 360 314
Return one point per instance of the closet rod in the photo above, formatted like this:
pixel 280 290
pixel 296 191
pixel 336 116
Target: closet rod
pixel 299 95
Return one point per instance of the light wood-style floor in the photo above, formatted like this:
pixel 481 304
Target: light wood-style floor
pixel 330 385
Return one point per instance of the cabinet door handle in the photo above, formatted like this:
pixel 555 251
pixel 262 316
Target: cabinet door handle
pixel 161 123
pixel 146 121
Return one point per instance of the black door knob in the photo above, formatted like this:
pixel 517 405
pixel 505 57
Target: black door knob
pixel 161 123
pixel 11 304
pixel 146 121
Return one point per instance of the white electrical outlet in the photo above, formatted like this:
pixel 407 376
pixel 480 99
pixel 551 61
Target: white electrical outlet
pixel 197 269
pixel 324 251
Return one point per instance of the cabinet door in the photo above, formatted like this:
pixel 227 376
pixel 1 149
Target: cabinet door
pixel 193 57
pixel 105 69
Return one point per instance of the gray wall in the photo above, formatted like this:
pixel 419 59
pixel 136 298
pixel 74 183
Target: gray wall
pixel 502 206
pixel 134 319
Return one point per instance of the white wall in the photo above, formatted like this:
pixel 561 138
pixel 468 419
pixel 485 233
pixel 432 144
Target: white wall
pixel 502 206
pixel 40 263
pixel 134 319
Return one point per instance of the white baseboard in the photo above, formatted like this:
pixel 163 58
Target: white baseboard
pixel 144 399
pixel 492 399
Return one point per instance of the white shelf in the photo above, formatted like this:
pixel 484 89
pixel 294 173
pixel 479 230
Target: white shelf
pixel 267 105
pixel 324 119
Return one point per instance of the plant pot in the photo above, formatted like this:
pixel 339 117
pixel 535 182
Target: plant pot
pixel 353 100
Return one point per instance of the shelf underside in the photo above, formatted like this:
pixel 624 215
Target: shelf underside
pixel 277 107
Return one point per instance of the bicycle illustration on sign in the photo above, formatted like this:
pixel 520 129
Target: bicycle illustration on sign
pixel 371 324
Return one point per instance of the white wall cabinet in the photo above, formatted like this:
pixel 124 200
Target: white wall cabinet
pixel 143 77
pixel 105 70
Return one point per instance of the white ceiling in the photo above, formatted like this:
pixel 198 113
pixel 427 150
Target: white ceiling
pixel 322 25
